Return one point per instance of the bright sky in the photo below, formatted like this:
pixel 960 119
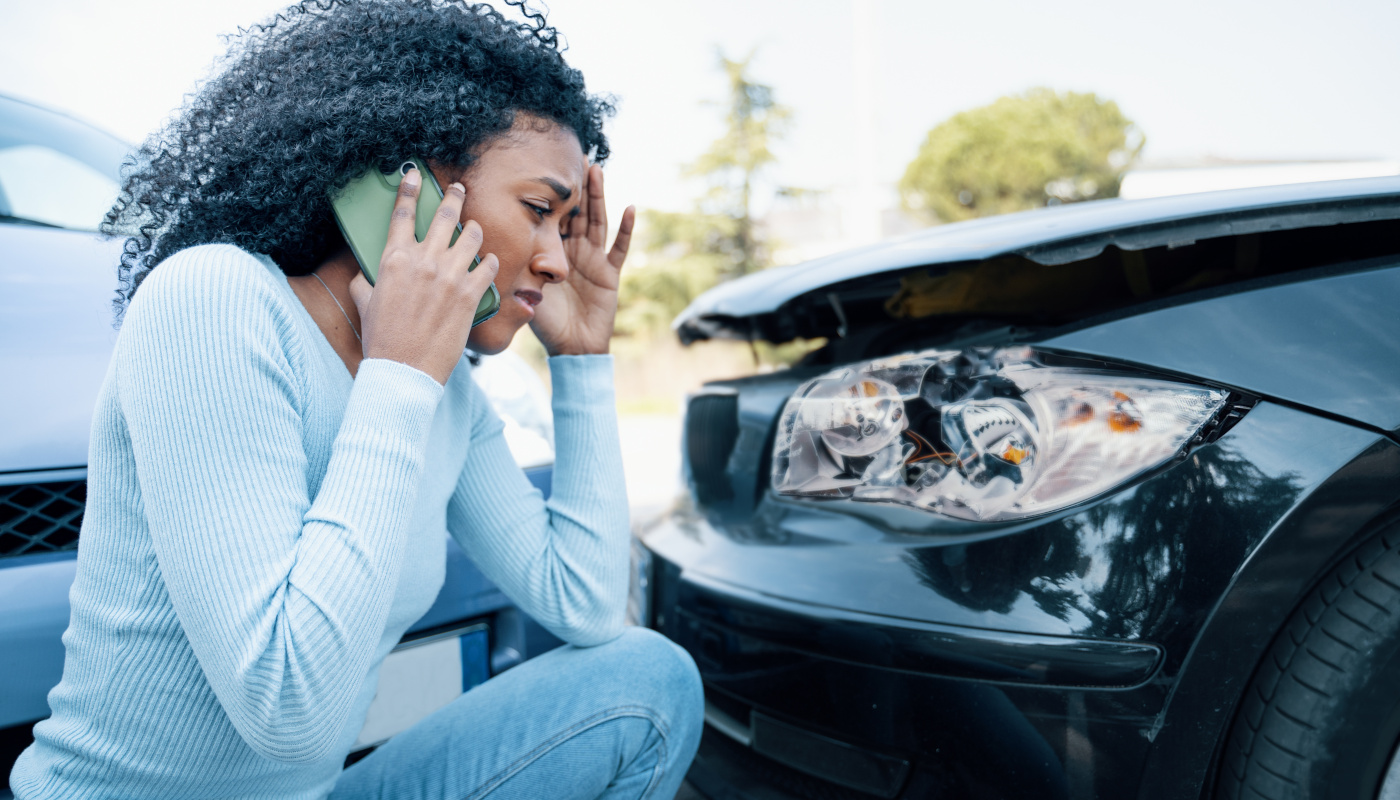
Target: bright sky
pixel 1277 79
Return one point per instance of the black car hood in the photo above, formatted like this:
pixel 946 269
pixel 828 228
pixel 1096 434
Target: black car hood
pixel 808 300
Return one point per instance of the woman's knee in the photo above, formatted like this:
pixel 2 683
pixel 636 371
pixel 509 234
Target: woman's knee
pixel 661 674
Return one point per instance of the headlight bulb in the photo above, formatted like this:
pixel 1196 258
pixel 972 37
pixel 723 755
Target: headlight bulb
pixel 856 416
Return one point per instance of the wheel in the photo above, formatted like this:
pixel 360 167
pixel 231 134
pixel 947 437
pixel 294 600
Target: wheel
pixel 1321 716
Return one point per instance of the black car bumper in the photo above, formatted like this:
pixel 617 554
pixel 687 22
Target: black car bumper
pixel 1069 657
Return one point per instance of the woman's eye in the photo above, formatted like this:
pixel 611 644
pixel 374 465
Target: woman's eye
pixel 540 211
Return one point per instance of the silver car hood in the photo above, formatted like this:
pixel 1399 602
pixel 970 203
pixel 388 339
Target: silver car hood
pixel 56 291
pixel 1050 236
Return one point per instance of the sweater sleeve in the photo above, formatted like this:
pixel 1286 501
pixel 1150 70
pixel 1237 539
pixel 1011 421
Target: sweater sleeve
pixel 564 562
pixel 282 595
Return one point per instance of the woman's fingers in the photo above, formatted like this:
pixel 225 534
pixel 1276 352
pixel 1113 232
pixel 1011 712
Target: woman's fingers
pixel 470 283
pixel 460 255
pixel 483 275
pixel 597 210
pixel 420 311
pixel 437 247
pixel 449 211
pixel 473 285
pixel 404 218
pixel 577 225
pixel 618 253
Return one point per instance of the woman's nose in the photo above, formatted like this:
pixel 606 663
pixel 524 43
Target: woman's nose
pixel 550 263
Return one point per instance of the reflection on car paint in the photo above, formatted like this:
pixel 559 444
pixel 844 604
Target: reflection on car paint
pixel 1133 554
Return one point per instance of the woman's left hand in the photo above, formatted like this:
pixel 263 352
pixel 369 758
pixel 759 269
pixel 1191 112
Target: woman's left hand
pixel 576 316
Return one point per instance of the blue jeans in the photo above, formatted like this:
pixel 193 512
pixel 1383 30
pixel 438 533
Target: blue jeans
pixel 621 720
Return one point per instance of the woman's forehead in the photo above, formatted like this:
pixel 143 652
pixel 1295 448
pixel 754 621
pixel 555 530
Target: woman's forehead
pixel 536 148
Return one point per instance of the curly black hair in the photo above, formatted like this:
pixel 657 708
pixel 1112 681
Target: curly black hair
pixel 325 90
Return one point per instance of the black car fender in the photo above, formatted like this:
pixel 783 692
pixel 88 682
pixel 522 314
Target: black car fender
pixel 1323 528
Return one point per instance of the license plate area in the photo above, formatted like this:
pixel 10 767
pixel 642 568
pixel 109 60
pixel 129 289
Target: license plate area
pixel 423 675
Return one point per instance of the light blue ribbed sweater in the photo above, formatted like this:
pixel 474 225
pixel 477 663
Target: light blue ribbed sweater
pixel 261 529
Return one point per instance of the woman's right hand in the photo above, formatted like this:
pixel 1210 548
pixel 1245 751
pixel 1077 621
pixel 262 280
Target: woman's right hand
pixel 420 310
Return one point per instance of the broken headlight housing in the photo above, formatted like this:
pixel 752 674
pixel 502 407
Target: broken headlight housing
pixel 982 434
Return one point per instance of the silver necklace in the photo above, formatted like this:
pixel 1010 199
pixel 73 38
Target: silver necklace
pixel 341 307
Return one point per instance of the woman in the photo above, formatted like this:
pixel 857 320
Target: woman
pixel 278 447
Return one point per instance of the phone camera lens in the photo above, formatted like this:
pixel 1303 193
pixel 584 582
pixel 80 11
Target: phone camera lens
pixel 406 166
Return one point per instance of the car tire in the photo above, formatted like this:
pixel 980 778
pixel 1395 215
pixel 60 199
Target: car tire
pixel 1321 716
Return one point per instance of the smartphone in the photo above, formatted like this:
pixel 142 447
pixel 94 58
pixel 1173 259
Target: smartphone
pixel 362 211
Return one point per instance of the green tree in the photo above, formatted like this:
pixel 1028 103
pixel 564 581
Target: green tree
pixel 687 253
pixel 1022 151
pixel 731 165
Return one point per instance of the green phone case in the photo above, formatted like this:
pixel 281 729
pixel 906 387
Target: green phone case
pixel 362 211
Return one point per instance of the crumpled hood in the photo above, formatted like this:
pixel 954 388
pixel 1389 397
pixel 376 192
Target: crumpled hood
pixel 761 306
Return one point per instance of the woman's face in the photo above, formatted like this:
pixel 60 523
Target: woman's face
pixel 522 190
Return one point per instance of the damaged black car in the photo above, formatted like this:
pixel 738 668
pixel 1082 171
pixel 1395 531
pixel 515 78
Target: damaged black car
pixel 1094 501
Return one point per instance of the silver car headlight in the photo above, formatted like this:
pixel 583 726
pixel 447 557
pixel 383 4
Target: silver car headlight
pixel 981 434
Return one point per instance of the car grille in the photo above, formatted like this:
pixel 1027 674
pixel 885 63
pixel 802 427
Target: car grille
pixel 711 429
pixel 41 517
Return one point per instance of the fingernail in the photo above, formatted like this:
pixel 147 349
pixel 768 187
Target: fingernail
pixel 459 187
pixel 413 178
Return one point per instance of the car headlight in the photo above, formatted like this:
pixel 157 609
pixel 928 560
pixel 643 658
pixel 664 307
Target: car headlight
pixel 981 434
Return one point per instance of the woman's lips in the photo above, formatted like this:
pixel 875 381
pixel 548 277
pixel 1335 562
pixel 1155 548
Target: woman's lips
pixel 529 298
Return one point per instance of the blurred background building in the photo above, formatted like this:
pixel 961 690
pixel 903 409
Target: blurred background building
pixel 1209 174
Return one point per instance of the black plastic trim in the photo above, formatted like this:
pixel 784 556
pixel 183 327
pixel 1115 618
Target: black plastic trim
pixel 920 647
pixel 830 759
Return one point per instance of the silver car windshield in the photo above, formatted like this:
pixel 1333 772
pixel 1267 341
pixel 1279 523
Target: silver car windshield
pixel 54 170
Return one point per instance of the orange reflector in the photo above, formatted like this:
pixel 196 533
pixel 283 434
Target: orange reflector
pixel 1125 417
